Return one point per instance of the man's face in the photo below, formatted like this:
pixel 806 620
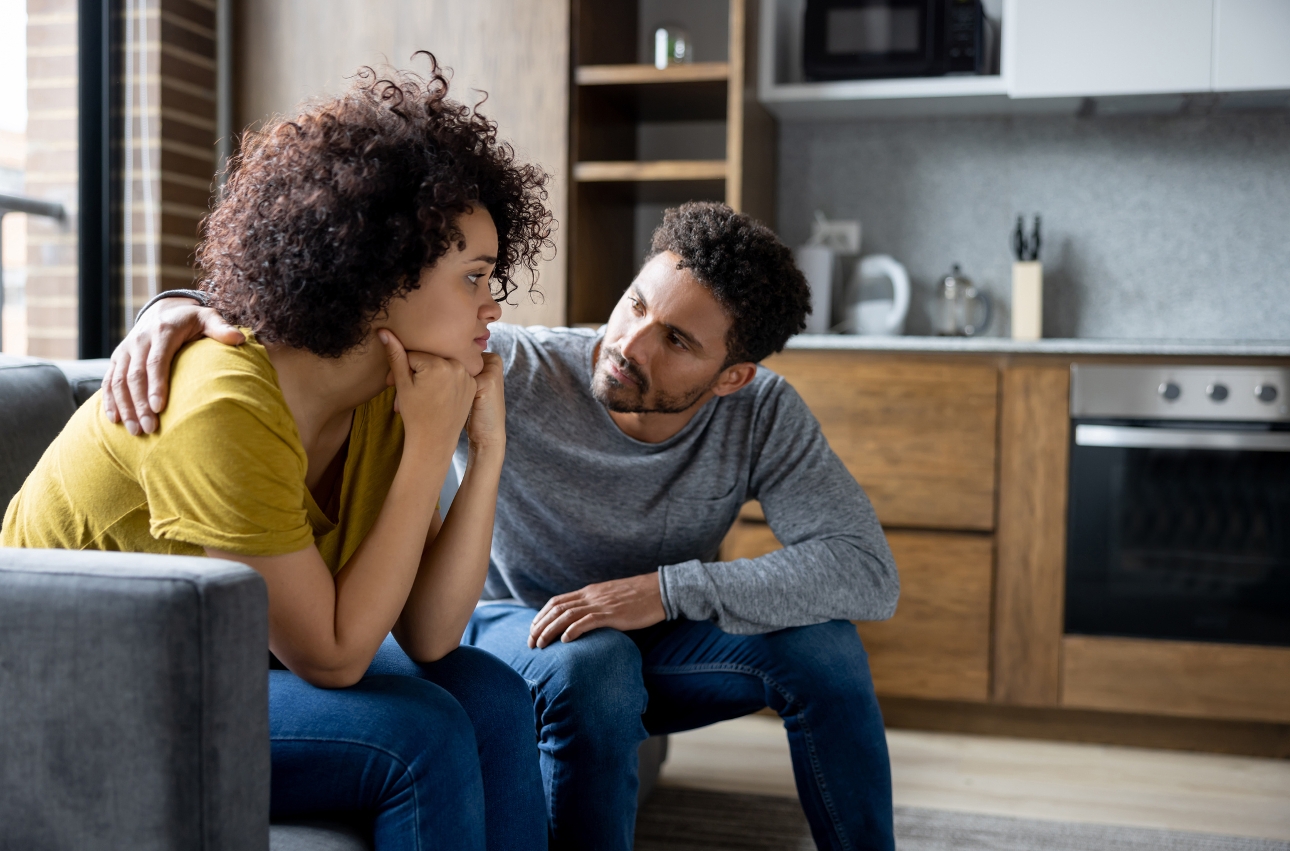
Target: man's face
pixel 665 345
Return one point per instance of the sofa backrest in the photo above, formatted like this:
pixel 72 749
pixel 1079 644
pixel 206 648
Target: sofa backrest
pixel 37 397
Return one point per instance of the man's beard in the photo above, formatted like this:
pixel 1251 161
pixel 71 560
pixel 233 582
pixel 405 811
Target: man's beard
pixel 626 399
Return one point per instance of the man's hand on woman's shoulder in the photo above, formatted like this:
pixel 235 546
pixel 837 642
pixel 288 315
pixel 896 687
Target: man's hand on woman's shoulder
pixel 137 384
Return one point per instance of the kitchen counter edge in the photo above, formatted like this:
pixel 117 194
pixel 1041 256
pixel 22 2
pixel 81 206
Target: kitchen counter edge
pixel 1003 345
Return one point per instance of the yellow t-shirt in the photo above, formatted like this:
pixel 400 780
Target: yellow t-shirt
pixel 225 469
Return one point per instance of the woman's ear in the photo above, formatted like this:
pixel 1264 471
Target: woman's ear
pixel 733 378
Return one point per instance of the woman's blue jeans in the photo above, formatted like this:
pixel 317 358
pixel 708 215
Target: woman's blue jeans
pixel 597 698
pixel 440 756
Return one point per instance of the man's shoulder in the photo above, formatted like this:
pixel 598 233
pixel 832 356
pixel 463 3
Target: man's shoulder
pixel 538 348
pixel 540 336
pixel 769 401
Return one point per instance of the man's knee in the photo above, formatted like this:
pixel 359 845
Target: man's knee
pixel 596 683
pixel 822 661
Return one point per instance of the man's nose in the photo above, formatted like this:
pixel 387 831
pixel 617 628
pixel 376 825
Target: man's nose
pixel 634 344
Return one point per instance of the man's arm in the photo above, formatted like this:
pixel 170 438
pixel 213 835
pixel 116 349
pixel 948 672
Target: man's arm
pixel 835 564
pixel 137 382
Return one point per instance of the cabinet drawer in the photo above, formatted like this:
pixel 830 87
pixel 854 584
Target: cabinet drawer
pixel 1233 681
pixel 938 643
pixel 918 435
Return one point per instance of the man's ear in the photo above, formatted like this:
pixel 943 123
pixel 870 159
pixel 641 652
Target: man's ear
pixel 733 378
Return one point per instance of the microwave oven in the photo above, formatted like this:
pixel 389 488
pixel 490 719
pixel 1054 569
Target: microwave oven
pixel 862 39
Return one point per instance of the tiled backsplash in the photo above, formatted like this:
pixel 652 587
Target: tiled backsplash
pixel 1155 227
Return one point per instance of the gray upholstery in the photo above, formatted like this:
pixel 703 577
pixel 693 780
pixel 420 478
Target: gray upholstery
pixel 133 701
pixel 35 404
pixel 84 376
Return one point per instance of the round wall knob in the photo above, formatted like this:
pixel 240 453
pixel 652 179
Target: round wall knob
pixel 1217 392
pixel 1169 390
pixel 1265 392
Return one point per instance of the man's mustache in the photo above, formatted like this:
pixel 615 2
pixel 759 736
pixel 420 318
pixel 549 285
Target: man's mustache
pixel 627 368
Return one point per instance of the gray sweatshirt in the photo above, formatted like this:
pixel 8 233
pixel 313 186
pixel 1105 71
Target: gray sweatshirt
pixel 581 502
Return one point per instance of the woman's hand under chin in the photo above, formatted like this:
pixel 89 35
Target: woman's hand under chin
pixel 434 395
pixel 486 427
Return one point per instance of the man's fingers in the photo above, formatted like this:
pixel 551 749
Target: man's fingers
pixel 214 326
pixel 554 607
pixel 109 400
pixel 558 626
pixel 136 378
pixel 582 626
pixel 121 390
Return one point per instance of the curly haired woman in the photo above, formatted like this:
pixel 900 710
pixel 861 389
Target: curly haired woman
pixel 360 247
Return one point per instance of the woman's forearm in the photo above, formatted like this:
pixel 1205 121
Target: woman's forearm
pixel 455 564
pixel 374 584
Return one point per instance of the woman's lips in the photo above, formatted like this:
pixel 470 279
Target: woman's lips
pixel 482 340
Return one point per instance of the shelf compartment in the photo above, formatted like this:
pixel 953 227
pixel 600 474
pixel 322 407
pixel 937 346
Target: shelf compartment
pixel 658 170
pixel 648 75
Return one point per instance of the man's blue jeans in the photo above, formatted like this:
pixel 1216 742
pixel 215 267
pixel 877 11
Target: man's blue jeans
pixel 434 755
pixel 597 698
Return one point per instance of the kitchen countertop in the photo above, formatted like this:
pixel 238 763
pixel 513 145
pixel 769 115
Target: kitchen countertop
pixel 1004 345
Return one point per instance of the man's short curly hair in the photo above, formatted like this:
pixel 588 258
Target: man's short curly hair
pixel 329 216
pixel 749 271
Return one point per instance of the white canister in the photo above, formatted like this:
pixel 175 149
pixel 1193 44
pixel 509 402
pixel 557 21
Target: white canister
pixel 817 262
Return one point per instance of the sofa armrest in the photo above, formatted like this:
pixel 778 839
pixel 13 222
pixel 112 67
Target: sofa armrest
pixel 133 702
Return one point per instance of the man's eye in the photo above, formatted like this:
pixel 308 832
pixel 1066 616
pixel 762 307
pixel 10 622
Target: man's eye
pixel 676 341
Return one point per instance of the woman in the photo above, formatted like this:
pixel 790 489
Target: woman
pixel 360 247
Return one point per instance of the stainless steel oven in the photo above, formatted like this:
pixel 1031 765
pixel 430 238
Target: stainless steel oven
pixel 1179 504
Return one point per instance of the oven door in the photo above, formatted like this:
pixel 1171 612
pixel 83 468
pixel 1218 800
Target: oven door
pixel 858 39
pixel 1179 531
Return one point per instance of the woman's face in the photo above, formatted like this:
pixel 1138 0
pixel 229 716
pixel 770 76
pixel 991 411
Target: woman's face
pixel 449 312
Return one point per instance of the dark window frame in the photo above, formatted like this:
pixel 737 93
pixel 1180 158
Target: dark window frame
pixel 100 134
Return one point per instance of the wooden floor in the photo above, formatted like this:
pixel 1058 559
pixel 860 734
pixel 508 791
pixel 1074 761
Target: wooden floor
pixel 1231 795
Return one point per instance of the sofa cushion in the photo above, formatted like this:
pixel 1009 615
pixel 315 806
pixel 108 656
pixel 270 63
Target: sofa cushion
pixel 84 376
pixel 35 403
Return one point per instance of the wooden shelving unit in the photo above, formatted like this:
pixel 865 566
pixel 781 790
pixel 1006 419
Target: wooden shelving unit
pixel 642 138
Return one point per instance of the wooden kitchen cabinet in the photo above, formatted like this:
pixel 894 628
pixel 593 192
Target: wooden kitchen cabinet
pixel 1184 678
pixel 938 643
pixel 918 435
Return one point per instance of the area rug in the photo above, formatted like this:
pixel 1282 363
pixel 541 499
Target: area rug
pixel 692 820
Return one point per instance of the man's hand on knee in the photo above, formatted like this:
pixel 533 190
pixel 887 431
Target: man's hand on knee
pixel 632 603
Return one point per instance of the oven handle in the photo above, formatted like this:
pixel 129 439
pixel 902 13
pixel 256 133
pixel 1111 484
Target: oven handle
pixel 1137 437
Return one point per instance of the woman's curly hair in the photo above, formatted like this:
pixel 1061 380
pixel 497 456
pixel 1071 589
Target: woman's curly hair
pixel 328 217
pixel 748 270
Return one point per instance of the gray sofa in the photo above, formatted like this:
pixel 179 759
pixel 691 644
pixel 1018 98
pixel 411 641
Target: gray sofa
pixel 133 695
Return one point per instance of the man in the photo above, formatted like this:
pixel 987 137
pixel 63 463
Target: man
pixel 630 452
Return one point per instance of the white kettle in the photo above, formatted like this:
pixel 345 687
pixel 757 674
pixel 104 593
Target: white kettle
pixel 878 317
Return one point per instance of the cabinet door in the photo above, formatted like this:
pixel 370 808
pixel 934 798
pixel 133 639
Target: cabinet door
pixel 1251 45
pixel 1065 48
pixel 918 435
pixel 937 645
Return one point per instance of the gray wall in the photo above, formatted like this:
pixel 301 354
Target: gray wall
pixel 1154 227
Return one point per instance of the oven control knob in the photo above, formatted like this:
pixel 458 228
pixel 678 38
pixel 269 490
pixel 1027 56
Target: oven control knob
pixel 1217 392
pixel 1265 392
pixel 1170 391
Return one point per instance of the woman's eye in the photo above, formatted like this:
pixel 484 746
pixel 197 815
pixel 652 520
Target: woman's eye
pixel 474 277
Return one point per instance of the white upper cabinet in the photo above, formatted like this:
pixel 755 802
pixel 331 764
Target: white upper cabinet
pixel 1081 48
pixel 1251 45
